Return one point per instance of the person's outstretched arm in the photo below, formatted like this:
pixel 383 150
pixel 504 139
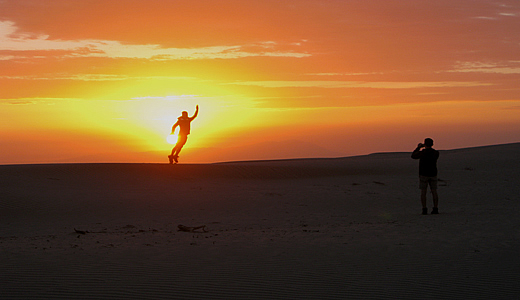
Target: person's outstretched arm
pixel 196 113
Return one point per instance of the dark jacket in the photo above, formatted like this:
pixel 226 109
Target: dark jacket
pixel 427 161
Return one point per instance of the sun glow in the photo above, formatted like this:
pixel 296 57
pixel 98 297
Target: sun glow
pixel 172 139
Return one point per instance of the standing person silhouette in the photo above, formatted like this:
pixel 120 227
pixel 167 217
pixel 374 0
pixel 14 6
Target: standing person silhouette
pixel 184 123
pixel 427 173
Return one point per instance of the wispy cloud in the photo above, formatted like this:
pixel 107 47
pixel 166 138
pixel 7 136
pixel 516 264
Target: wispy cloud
pixel 343 74
pixel 94 77
pixel 485 18
pixel 14 42
pixel 511 67
pixel 361 84
pixel 16 102
pixel 82 77
pixel 7 57
pixel 36 100
pixel 167 98
pixel 502 10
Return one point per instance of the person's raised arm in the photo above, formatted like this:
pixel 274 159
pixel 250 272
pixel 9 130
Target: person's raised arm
pixel 416 154
pixel 196 113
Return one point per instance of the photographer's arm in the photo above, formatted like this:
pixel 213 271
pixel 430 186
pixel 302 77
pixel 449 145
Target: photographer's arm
pixel 416 154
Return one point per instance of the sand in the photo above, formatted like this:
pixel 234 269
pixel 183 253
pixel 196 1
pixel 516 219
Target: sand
pixel 344 228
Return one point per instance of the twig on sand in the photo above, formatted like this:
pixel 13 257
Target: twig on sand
pixel 192 229
pixel 80 231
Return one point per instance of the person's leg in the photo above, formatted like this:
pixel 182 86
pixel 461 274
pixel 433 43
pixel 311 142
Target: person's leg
pixel 435 201
pixel 423 197
pixel 174 149
pixel 177 151
pixel 435 196
pixel 180 143
pixel 175 154
pixel 423 185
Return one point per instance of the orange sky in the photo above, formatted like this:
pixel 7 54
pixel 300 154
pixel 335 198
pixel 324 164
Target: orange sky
pixel 104 81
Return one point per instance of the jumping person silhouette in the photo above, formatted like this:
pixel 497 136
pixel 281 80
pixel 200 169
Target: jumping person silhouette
pixel 184 123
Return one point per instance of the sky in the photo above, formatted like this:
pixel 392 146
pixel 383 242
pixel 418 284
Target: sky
pixel 104 81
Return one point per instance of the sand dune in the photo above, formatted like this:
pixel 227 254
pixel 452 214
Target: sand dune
pixel 339 228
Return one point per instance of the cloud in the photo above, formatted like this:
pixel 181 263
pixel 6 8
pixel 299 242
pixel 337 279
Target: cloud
pixel 37 100
pixel 13 41
pixel 361 84
pixel 17 102
pixel 344 74
pixel 82 77
pixel 93 77
pixel 511 67
pixel 166 98
pixel 485 18
pixel 115 49
pixel 7 57
pixel 10 40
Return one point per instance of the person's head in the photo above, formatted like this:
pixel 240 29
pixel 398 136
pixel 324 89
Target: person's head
pixel 428 142
pixel 185 114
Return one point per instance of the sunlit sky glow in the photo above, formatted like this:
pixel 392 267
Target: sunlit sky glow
pixel 104 81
